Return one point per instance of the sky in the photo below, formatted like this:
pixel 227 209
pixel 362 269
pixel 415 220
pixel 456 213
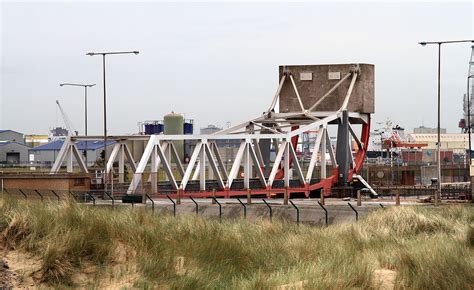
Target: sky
pixel 218 62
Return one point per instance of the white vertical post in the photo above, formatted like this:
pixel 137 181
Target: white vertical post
pixel 121 157
pixel 202 167
pixel 287 164
pixel 69 159
pixel 246 167
pixel 154 171
pixel 323 153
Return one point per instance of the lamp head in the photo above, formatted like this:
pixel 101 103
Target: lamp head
pixel 90 53
pixel 422 43
pixel 136 52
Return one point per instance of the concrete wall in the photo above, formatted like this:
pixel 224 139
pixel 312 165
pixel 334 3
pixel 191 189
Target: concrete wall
pixel 12 136
pixel 323 78
pixel 14 148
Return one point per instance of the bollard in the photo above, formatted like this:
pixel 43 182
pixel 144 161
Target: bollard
pixel 322 197
pixel 249 197
pixel 359 198
pixel 397 197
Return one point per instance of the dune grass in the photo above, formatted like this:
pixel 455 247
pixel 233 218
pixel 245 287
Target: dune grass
pixel 427 248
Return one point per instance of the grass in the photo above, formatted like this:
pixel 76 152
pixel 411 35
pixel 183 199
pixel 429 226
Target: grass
pixel 427 248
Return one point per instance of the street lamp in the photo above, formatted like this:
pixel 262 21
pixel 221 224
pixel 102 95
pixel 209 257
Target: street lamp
pixel 438 149
pixel 103 54
pixel 85 86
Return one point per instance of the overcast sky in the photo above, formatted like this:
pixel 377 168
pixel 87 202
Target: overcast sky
pixel 218 62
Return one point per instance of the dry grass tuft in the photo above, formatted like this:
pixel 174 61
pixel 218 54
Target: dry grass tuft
pixel 425 247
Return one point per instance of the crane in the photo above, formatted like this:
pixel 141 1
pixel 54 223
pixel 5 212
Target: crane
pixel 67 121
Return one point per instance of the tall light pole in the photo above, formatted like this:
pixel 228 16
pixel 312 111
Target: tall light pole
pixel 85 86
pixel 438 149
pixel 103 54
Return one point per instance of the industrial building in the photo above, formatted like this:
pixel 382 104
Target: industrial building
pixel 428 130
pixel 13 150
pixel 13 153
pixel 46 154
pixel 12 136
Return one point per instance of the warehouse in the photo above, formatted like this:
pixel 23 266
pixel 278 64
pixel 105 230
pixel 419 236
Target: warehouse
pixel 13 153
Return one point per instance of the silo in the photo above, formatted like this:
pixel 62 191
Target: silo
pixel 174 125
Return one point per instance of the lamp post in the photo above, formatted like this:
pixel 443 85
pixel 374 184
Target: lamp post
pixel 438 149
pixel 85 86
pixel 104 54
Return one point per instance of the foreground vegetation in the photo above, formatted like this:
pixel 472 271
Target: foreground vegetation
pixel 426 248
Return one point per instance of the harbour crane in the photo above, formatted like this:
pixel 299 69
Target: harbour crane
pixel 67 121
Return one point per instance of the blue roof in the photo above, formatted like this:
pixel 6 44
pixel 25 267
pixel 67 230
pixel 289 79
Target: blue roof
pixel 81 145
pixel 3 143
pixel 8 130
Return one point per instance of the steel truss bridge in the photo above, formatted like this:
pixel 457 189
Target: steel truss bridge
pixel 252 172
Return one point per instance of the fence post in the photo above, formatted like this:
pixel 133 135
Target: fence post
pixel 220 207
pixel 359 198
pixel 22 192
pixel 41 196
pixel 213 196
pixel 397 197
pixel 112 198
pixel 249 197
pixel 152 202
pixel 54 192
pixel 357 214
pixel 325 211
pixel 245 207
pixel 321 197
pixel 174 205
pixel 196 204
pixel 297 212
pixel 270 209
pixel 93 198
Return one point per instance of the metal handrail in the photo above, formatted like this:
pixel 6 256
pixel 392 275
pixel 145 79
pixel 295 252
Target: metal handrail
pixel 152 202
pixel 325 211
pixel 357 214
pixel 220 208
pixel 174 205
pixel 270 208
pixel 196 205
pixel 297 212
pixel 381 205
pixel 245 207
